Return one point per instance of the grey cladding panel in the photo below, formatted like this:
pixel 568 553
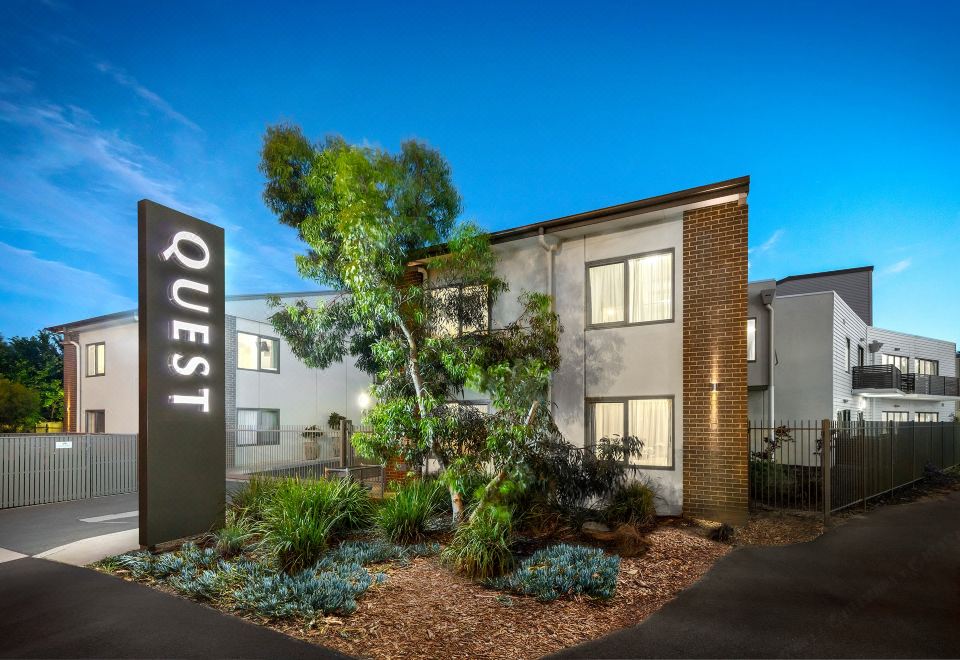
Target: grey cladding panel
pixel 855 287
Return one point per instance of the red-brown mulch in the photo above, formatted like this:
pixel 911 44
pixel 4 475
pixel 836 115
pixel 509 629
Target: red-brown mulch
pixel 426 611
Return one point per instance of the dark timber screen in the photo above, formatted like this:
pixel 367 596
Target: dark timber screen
pixel 826 466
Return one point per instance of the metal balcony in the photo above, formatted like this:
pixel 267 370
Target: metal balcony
pixel 887 380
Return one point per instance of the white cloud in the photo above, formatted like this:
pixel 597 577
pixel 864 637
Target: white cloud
pixel 768 244
pixel 121 77
pixel 898 267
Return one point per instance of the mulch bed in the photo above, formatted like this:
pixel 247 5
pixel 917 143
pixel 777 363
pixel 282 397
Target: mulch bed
pixel 426 611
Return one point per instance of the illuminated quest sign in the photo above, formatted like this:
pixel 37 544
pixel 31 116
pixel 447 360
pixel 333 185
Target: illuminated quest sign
pixel 182 441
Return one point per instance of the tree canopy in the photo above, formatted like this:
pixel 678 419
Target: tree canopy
pixel 37 363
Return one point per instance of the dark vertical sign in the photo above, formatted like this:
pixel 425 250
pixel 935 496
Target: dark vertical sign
pixel 182 441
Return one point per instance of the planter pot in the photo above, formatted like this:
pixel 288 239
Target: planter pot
pixel 311 450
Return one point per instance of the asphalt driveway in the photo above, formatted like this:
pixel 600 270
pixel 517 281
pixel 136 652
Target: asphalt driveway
pixel 886 584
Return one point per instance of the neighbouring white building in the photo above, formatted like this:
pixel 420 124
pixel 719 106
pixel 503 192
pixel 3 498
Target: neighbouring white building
pixel 830 362
pixel 651 298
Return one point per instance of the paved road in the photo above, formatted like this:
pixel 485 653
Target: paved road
pixel 52 610
pixel 885 584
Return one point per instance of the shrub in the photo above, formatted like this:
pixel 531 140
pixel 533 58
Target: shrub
pixel 481 547
pixel 404 517
pixel 19 406
pixel 236 534
pixel 253 496
pixel 563 570
pixel 376 552
pixel 632 504
pixel 300 518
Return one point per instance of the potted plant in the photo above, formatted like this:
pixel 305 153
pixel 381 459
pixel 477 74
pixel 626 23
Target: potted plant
pixel 311 445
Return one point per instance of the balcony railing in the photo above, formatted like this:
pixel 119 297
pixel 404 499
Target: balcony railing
pixel 888 377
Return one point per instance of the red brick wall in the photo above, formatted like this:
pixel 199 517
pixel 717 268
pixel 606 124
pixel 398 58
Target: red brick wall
pixel 714 351
pixel 70 384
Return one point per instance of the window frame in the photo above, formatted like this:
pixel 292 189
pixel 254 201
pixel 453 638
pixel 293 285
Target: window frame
pixel 588 315
pixel 896 357
pixel 259 355
pixel 861 356
pixel 625 400
pixel 895 412
pixel 849 357
pixel 86 371
pixel 258 431
pixel 754 319
pixel 86 420
pixel 935 363
pixel 461 287
pixel 916 417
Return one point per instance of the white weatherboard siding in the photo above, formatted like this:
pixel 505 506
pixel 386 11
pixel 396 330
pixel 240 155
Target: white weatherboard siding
pixel 116 392
pixel 846 325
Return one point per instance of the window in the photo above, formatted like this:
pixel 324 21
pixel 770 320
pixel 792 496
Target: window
pixel 631 291
pixel 650 419
pixel 258 427
pixel 928 417
pixel 901 362
pixel 928 367
pixel 895 416
pixel 751 340
pixel 96 359
pixel 258 353
pixel 96 421
pixel 847 356
pixel 860 356
pixel 459 310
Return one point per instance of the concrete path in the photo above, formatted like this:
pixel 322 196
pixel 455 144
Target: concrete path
pixel 886 584
pixel 52 610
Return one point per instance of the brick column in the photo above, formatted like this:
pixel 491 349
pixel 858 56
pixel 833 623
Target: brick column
pixel 70 374
pixel 715 362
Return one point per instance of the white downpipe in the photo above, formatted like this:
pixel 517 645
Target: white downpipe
pixel 79 381
pixel 550 248
pixel 771 363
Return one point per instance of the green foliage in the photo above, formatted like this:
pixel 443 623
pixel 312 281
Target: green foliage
pixel 563 570
pixel 480 548
pixel 333 421
pixel 234 536
pixel 377 552
pixel 403 518
pixel 251 499
pixel 19 407
pixel 634 504
pixel 300 518
pixel 36 363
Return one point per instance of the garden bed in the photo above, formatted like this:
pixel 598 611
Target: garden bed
pixel 425 610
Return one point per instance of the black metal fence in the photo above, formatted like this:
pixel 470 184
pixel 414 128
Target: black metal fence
pixel 826 466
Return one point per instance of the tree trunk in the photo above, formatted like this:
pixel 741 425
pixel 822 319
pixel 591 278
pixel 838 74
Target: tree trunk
pixel 456 503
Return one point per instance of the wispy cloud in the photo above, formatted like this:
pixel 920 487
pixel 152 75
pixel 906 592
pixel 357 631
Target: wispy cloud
pixel 898 267
pixel 768 244
pixel 121 77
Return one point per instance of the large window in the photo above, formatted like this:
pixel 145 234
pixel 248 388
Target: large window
pixel 459 310
pixel 96 359
pixel 895 416
pixel 258 353
pixel 257 426
pixel 96 421
pixel 901 362
pixel 632 290
pixel 928 417
pixel 751 340
pixel 650 419
pixel 928 367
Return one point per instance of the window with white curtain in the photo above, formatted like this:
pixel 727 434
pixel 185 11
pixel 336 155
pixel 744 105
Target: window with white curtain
pixel 256 426
pixel 633 290
pixel 895 416
pixel 751 340
pixel 97 359
pixel 928 367
pixel 648 418
pixel 928 417
pixel 901 362
pixel 258 353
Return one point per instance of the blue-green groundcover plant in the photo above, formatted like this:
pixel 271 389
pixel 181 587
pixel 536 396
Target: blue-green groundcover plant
pixel 330 586
pixel 563 570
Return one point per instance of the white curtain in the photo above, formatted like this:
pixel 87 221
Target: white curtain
pixel 606 293
pixel 247 352
pixel 607 420
pixel 651 287
pixel 247 421
pixel 651 421
pixel 751 339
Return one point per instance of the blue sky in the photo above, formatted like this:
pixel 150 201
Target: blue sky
pixel 844 114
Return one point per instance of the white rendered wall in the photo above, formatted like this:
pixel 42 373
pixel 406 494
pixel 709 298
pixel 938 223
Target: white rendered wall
pixel 116 392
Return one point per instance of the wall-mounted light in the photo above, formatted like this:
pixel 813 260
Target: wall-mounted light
pixel 714 387
pixel 363 400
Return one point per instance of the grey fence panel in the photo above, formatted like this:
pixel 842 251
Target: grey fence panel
pixel 45 468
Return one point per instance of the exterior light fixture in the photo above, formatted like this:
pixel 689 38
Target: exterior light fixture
pixel 714 387
pixel 363 400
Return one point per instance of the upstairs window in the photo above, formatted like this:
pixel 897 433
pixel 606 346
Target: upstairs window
pixel 751 340
pixel 459 310
pixel 631 291
pixel 928 367
pixel 258 353
pixel 96 359
pixel 901 362
pixel 861 356
pixel 847 356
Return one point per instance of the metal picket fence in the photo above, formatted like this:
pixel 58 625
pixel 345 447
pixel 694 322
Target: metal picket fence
pixel 827 466
pixel 45 468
